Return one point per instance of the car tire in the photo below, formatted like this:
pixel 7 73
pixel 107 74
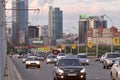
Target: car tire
pixel 107 67
pixel 104 67
pixel 26 67
pixel 38 66
pixel 117 77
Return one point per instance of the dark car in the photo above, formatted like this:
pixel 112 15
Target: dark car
pixel 69 69
pixel 98 57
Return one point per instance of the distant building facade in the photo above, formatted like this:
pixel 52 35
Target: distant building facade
pixel 55 22
pixel 19 22
pixel 102 36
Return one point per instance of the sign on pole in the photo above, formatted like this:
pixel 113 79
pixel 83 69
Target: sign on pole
pixel 116 41
pixel 62 47
pixel 55 47
pixel 90 44
pixel 73 46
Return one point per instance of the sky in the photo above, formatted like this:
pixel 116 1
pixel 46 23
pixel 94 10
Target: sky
pixel 71 11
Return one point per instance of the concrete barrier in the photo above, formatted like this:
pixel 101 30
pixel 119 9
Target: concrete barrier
pixel 12 72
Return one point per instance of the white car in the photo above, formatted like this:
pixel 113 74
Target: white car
pixel 115 70
pixel 109 59
pixel 61 55
pixel 32 61
pixel 102 58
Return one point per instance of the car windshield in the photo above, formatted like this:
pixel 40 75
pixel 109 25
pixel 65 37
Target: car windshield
pixel 61 54
pixel 32 59
pixel 51 57
pixel 113 55
pixel 82 56
pixel 69 62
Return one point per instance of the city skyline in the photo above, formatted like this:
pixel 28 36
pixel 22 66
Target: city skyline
pixel 72 9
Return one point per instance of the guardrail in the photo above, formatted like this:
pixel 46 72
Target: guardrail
pixel 12 72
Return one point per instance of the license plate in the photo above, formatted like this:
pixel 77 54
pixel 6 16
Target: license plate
pixel 72 74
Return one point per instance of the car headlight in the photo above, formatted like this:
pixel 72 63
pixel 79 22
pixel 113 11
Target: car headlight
pixel 27 62
pixel 110 61
pixel 37 62
pixel 83 70
pixel 59 71
pixel 87 60
pixel 48 60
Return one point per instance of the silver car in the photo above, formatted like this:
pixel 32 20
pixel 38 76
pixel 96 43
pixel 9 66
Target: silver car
pixel 61 55
pixel 51 58
pixel 83 58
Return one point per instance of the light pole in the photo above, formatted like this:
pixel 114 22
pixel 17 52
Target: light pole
pixel 70 41
pixel 78 37
pixel 102 16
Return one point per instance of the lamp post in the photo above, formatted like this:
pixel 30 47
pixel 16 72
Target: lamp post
pixel 111 33
pixel 78 37
pixel 70 41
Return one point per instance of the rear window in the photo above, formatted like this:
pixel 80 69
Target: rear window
pixel 82 56
pixel 51 56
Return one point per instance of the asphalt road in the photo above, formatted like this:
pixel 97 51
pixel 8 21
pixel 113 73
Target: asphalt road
pixel 94 71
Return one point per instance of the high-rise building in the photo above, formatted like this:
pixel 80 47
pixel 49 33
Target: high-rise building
pixel 85 23
pixel 19 22
pixel 96 21
pixel 45 30
pixel 33 31
pixel 83 27
pixel 55 23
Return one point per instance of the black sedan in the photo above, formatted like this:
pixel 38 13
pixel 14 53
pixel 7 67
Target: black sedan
pixel 69 69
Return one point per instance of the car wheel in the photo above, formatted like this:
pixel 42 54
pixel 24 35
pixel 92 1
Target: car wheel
pixel 26 67
pixel 38 66
pixel 117 77
pixel 103 66
pixel 111 76
pixel 107 67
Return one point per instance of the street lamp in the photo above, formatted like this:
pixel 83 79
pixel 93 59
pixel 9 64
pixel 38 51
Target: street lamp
pixel 70 41
pixel 102 16
pixel 78 37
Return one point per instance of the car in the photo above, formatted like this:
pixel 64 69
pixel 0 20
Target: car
pixel 109 59
pixel 51 58
pixel 24 58
pixel 115 70
pixel 32 61
pixel 61 55
pixel 83 58
pixel 41 56
pixel 102 58
pixel 69 69
pixel 98 57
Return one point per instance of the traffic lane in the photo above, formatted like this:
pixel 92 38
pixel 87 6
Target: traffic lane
pixel 43 73
pixel 95 71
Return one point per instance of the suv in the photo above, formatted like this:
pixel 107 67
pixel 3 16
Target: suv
pixel 109 59
pixel 69 69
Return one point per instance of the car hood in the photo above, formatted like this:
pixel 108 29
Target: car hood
pixel 71 67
